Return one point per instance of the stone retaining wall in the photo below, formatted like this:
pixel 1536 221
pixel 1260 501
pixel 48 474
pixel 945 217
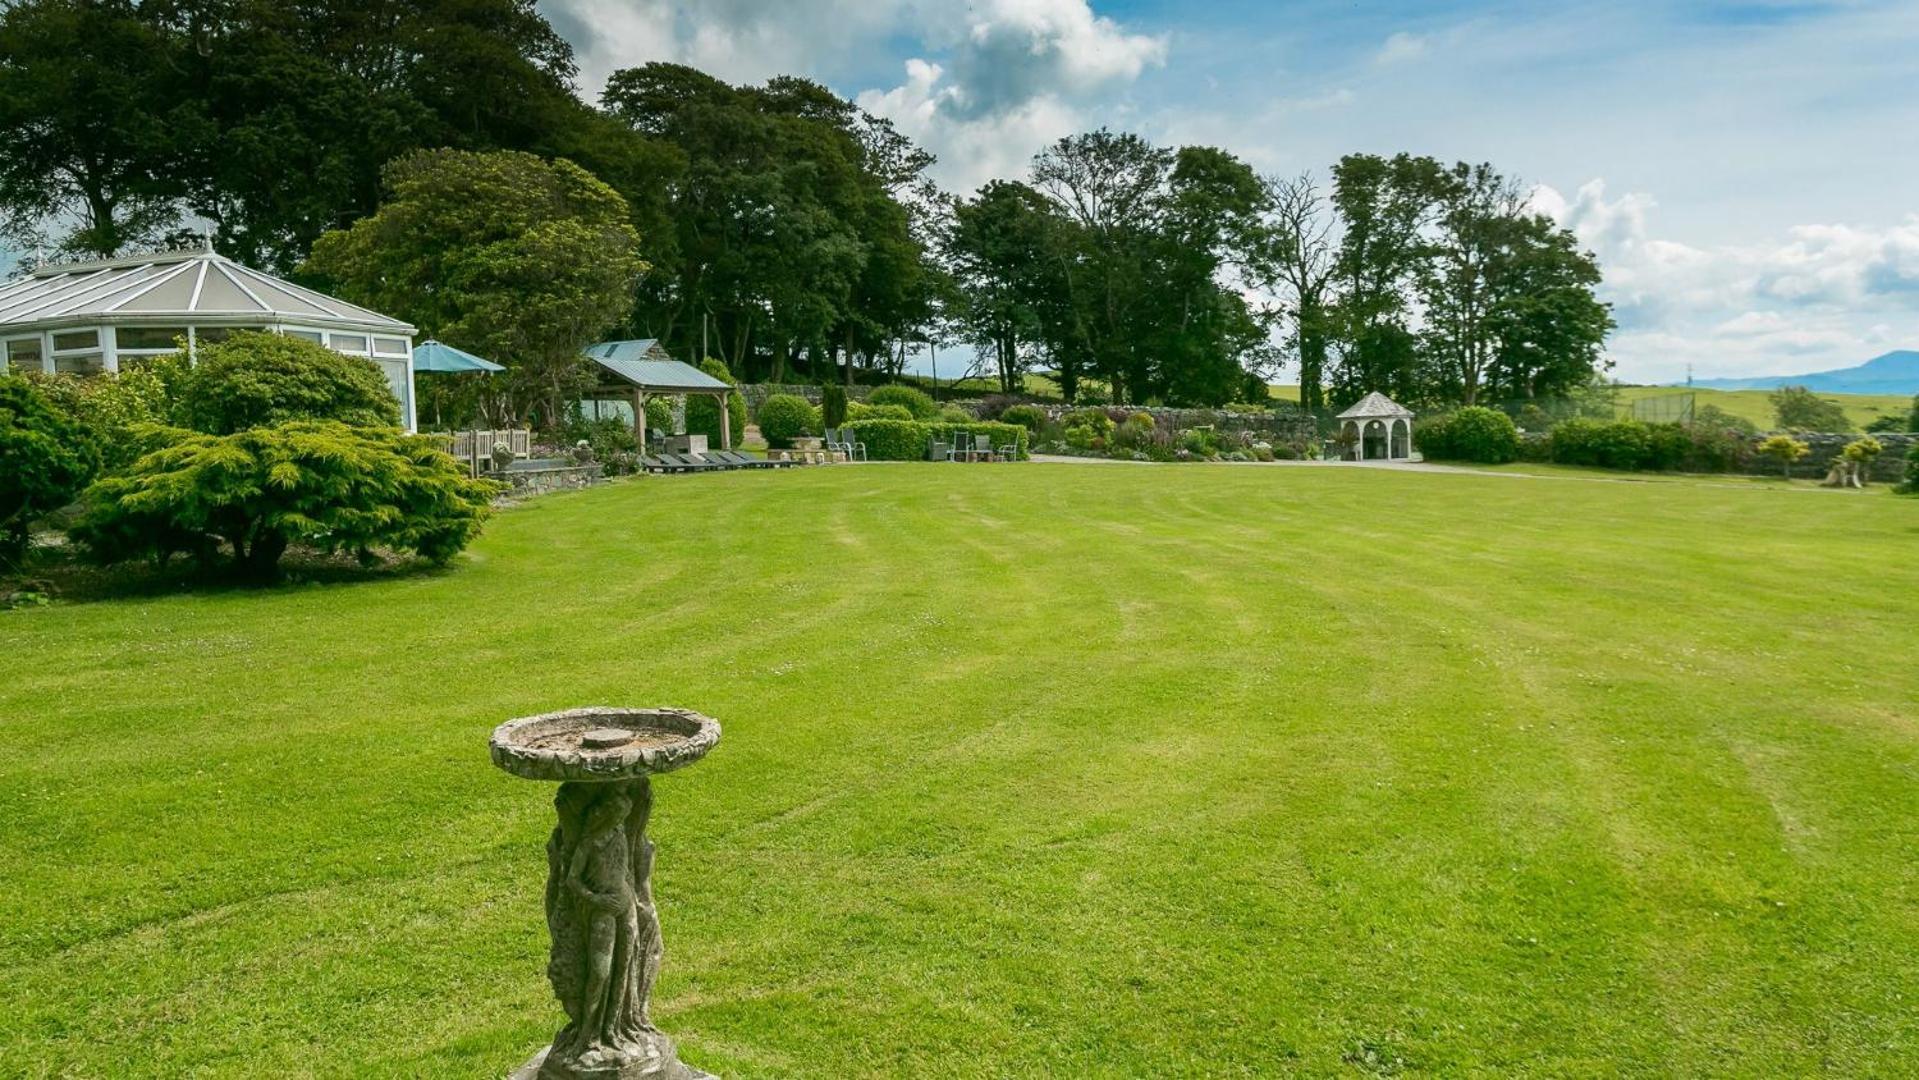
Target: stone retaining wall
pixel 527 482
pixel 1889 467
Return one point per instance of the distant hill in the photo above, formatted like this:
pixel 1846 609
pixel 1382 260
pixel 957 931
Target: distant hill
pixel 1894 373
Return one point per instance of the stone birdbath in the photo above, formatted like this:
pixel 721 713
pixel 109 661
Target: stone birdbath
pixel 599 880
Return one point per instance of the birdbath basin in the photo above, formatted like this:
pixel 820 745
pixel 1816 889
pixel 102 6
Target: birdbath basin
pixel 599 884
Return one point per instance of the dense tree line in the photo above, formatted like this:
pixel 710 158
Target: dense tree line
pixel 778 228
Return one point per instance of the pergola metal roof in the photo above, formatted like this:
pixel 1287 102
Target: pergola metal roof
pixel 644 365
pixel 1375 406
pixel 198 287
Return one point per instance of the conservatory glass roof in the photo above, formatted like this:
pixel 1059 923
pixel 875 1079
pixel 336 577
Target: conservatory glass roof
pixel 193 286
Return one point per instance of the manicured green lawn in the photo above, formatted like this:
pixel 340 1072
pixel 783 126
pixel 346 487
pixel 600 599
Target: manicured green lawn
pixel 1034 771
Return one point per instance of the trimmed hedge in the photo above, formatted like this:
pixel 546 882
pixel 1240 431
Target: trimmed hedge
pixel 914 399
pixel 905 440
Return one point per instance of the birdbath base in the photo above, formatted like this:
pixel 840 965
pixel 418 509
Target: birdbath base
pixel 531 1070
pixel 599 882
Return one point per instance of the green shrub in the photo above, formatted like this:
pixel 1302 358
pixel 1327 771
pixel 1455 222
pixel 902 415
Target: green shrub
pixel 1605 444
pixel 832 405
pixel 784 417
pixel 1668 447
pixel 1714 449
pixel 255 492
pixel 891 439
pixel 703 413
pixel 46 457
pixel 1785 450
pixel 110 407
pixel 1087 429
pixel 1911 486
pixel 857 411
pixel 1030 417
pixel 610 441
pixel 659 414
pixel 254 379
pixel 916 401
pixel 1714 418
pixel 1199 442
pixel 953 414
pixel 1474 433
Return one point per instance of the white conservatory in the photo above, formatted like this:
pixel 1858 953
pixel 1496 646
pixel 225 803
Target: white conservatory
pixel 99 316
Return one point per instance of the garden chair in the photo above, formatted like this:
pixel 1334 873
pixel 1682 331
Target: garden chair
pixel 1008 452
pixel 983 448
pixel 939 451
pixel 836 445
pixel 855 449
pixel 745 461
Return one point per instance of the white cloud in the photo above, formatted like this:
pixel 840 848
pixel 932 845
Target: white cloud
pixel 1821 296
pixel 995 82
pixel 737 40
pixel 1401 47
pixel 971 151
pixel 1018 76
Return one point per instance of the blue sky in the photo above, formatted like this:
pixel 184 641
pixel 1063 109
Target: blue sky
pixel 1748 173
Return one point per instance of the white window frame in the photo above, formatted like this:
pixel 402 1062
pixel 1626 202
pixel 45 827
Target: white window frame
pixel 45 354
pixel 102 347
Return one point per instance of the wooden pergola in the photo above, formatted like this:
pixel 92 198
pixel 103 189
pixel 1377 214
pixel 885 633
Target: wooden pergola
pixel 635 370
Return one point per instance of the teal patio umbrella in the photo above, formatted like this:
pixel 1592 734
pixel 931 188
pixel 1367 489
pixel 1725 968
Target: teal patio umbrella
pixel 445 359
pixel 433 356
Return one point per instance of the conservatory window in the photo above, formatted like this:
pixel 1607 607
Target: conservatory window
pixel 76 339
pixel 23 354
pixel 90 363
pixel 308 335
pixel 214 334
pixel 160 338
pixel 390 346
pixel 353 343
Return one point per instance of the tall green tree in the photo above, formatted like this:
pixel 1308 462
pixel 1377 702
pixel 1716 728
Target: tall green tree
pixel 1507 297
pixel 98 122
pixel 140 117
pixel 506 255
pixel 797 235
pixel 1385 207
pixel 1001 249
pixel 1295 259
pixel 1795 408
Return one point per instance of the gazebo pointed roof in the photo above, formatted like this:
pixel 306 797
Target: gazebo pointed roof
pixel 1375 406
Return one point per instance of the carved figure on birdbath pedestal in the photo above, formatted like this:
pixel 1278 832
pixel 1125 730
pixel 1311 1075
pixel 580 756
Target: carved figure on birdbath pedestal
pixel 599 880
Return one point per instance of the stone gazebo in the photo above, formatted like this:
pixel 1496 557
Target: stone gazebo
pixel 631 371
pixel 1382 429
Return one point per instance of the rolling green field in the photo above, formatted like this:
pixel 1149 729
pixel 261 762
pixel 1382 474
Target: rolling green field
pixel 1028 771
